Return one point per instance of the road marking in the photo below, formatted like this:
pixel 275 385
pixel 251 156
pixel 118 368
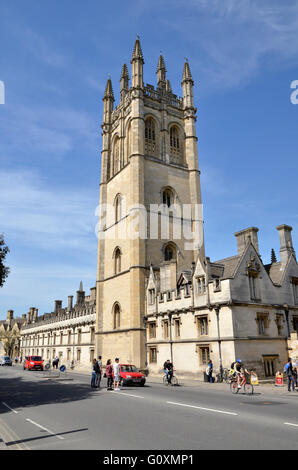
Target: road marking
pixel 7 406
pixel 291 424
pixel 45 429
pixel 127 394
pixel 201 408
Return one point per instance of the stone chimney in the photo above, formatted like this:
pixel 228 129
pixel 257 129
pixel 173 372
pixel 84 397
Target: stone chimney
pixel 58 305
pixel 286 244
pixel 69 305
pixel 9 316
pixel 35 314
pixel 246 236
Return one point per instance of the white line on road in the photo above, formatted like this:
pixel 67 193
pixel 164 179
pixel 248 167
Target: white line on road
pixel 45 429
pixel 201 408
pixel 127 394
pixel 7 406
pixel 291 424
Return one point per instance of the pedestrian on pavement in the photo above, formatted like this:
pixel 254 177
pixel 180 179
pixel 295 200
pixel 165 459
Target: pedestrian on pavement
pixel 209 371
pixel 116 372
pixel 109 374
pixel 99 372
pixel 290 374
pixel 95 369
pixel 55 362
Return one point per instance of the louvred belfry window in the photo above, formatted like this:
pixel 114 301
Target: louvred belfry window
pixel 150 137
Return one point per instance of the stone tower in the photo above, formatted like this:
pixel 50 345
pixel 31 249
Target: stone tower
pixel 149 174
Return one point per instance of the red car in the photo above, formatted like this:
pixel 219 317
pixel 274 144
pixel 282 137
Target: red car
pixel 33 363
pixel 130 375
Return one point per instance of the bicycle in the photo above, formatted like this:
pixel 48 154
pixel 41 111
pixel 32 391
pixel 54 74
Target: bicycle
pixel 247 387
pixel 174 380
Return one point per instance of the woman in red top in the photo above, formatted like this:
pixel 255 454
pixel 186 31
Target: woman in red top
pixel 109 374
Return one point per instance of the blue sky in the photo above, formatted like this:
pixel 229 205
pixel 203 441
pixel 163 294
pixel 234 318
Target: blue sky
pixel 55 60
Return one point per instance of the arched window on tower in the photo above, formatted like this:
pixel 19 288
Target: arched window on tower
pixel 150 137
pixel 175 145
pixel 116 155
pixel 117 261
pixel 170 252
pixel 116 316
pixel 168 197
pixel 118 208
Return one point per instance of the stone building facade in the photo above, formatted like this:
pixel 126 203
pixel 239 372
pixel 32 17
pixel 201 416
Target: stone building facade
pixel 156 298
pixel 149 159
pixel 68 332
pixel 230 308
pixel 11 325
pixel 157 295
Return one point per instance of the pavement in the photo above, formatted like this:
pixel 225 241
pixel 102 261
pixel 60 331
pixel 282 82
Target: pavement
pixel 48 412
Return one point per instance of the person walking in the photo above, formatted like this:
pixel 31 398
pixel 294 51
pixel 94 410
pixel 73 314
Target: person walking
pixel 99 372
pixel 209 371
pixel 55 362
pixel 290 374
pixel 116 372
pixel 109 374
pixel 95 370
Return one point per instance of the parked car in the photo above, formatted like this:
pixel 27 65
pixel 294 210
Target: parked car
pixel 5 361
pixel 33 363
pixel 130 375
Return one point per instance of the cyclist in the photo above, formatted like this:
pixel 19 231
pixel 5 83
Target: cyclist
pixel 168 370
pixel 239 371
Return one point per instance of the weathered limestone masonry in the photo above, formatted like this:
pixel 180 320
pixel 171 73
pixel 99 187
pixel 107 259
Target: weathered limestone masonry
pixel 68 333
pixel 14 325
pixel 232 308
pixel 149 156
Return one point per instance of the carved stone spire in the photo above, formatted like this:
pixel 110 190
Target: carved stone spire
pixel 137 62
pixel 124 82
pixel 109 95
pixel 187 77
pixel 137 51
pixel 161 72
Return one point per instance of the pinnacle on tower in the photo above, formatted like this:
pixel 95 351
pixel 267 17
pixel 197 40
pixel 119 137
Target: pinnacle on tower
pixel 161 64
pixel 109 91
pixel 168 86
pixel 161 73
pixel 81 287
pixel 137 52
pixel 124 73
pixel 187 77
pixel 273 256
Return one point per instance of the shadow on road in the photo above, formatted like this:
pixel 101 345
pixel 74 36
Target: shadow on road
pixel 23 393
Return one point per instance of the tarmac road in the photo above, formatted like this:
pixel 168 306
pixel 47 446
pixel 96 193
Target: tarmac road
pixel 39 413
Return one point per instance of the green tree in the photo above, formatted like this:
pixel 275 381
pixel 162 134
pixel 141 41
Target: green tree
pixel 10 340
pixel 4 270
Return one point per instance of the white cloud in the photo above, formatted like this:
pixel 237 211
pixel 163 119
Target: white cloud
pixel 33 213
pixel 236 36
pixel 46 130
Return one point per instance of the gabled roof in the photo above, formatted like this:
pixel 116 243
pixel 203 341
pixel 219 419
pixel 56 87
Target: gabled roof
pixel 184 278
pixel 229 266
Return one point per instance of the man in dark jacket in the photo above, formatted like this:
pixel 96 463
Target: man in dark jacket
pixel 290 374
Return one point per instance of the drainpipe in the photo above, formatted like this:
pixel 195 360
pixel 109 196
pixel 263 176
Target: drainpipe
pixel 217 309
pixel 286 308
pixel 171 342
